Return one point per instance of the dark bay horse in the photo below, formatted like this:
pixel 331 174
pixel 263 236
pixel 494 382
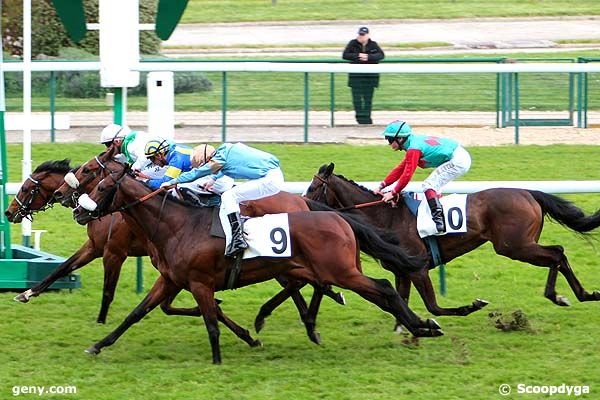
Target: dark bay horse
pixel 188 257
pixel 113 240
pixel 511 219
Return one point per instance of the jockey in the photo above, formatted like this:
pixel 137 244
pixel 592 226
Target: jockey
pixel 131 144
pixel 237 161
pixel 449 159
pixel 177 159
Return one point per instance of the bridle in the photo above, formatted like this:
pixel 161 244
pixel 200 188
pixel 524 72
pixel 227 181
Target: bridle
pixel 325 185
pixel 77 191
pixel 337 199
pixel 25 210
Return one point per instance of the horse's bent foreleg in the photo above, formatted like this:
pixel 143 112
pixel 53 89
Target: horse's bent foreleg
pixel 274 302
pixel 423 284
pixel 158 293
pixel 582 295
pixel 311 316
pixel 82 257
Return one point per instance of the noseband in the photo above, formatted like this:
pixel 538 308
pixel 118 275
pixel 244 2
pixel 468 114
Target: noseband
pixel 25 210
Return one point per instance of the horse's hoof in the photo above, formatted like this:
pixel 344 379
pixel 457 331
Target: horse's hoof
pixel 425 332
pixel 256 343
pixel 432 324
pixel 24 297
pixel 562 301
pixel 480 303
pixel 315 337
pixel 340 299
pixel 398 329
pixel 101 321
pixel 596 295
pixel 92 350
pixel 259 324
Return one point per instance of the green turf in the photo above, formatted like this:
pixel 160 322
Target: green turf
pixel 360 358
pixel 201 11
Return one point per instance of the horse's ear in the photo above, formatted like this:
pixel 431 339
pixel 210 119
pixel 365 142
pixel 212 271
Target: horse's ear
pixel 329 169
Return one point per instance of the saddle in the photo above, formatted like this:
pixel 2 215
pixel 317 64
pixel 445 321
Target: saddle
pixel 209 201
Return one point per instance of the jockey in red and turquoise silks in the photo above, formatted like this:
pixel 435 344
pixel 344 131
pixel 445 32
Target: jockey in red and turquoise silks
pixel 449 159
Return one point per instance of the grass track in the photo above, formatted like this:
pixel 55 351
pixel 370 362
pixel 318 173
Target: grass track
pixel 169 357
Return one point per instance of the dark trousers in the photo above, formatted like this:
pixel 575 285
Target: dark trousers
pixel 362 99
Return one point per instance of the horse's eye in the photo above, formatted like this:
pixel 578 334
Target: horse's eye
pixel 86 170
pixel 23 190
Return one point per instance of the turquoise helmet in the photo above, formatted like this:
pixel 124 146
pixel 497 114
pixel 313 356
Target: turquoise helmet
pixel 397 129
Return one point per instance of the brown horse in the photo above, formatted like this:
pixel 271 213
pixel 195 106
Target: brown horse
pixel 111 239
pixel 511 219
pixel 189 257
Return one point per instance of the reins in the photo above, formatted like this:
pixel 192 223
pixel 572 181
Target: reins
pixel 352 207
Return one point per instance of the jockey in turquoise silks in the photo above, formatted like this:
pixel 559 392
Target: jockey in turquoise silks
pixel 446 156
pixel 238 161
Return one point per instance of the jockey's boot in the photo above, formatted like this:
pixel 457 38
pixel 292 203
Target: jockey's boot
pixel 238 243
pixel 437 214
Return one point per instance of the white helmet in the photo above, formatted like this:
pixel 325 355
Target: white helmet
pixel 112 132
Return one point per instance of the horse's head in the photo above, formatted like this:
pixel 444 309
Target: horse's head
pixel 104 198
pixel 319 189
pixel 84 179
pixel 36 193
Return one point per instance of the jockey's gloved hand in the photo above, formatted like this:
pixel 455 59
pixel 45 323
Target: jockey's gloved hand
pixel 167 184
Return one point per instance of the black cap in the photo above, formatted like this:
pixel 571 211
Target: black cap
pixel 363 30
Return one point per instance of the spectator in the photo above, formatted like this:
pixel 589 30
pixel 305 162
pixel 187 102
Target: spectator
pixel 363 50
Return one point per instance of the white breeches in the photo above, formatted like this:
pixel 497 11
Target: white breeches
pixel 221 185
pixel 458 165
pixel 268 185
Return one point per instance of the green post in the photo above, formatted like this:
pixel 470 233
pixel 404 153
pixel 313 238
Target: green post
pixel 516 108
pixel 52 105
pixel 306 93
pixel 5 247
pixel 571 95
pixel 139 287
pixel 224 107
pixel 443 289
pixel 585 99
pixel 498 100
pixel 332 99
pixel 580 100
pixel 118 106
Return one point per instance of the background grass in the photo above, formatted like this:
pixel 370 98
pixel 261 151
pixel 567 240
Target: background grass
pixel 169 357
pixel 210 11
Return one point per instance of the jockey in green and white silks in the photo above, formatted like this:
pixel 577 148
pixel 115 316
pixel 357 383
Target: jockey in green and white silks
pixel 449 159
pixel 237 161
pixel 132 144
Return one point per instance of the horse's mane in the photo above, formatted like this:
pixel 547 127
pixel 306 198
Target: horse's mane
pixel 363 188
pixel 57 166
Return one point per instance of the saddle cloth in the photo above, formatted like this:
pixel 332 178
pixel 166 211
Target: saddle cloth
pixel 267 236
pixel 455 214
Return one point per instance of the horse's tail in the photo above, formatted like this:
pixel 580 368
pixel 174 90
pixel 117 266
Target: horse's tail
pixel 565 212
pixel 380 244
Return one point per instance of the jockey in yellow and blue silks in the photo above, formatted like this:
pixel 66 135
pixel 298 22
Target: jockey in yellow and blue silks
pixel 449 159
pixel 176 157
pixel 238 161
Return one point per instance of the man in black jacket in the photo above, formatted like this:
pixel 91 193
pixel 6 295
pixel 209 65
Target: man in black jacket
pixel 363 50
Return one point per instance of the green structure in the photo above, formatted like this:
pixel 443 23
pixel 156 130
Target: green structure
pixel 21 267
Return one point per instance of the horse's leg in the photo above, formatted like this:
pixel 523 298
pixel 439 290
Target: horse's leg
pixel 204 296
pixel 423 285
pixel 403 289
pixel 311 316
pixel 274 302
pixel 381 293
pixel 157 294
pixel 554 258
pixel 240 332
pixel 112 260
pixel 82 257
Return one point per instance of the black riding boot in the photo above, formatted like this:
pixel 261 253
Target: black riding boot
pixel 437 214
pixel 238 243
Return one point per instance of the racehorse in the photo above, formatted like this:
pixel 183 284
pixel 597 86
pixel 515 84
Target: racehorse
pixel 189 257
pixel 113 240
pixel 511 219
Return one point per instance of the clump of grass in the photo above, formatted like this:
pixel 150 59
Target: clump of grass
pixel 517 321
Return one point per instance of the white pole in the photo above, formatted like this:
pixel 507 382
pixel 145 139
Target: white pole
pixel 26 162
